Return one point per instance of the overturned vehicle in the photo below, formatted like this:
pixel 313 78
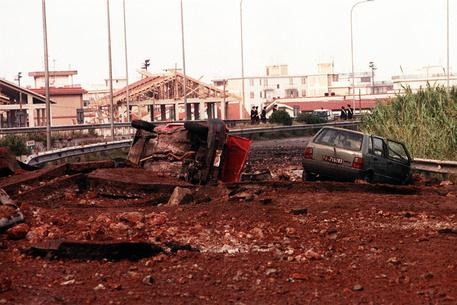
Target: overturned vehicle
pixel 197 152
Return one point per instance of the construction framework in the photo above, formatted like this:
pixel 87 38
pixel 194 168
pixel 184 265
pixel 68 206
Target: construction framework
pixel 161 98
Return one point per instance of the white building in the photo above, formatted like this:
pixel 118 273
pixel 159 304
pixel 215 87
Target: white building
pixel 278 84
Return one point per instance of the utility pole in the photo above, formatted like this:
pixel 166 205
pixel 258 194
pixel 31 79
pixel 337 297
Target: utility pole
pixel 110 63
pixel 373 67
pixel 127 97
pixel 46 76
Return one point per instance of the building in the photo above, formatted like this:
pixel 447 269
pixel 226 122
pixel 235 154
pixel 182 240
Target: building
pixel 432 75
pixel 67 96
pixel 160 97
pixel 20 107
pixel 326 85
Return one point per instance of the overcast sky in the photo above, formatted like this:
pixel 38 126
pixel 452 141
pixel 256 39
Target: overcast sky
pixel 300 33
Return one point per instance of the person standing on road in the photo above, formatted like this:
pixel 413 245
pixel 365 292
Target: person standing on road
pixel 252 115
pixel 343 114
pixel 350 112
pixel 263 115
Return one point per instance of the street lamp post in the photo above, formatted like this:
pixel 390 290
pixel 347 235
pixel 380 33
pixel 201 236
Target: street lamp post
pixel 186 113
pixel 352 53
pixel 447 43
pixel 127 98
pixel 110 63
pixel 242 61
pixel 372 67
pixel 46 76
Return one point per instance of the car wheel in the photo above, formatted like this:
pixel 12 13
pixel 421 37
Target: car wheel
pixel 140 124
pixel 307 176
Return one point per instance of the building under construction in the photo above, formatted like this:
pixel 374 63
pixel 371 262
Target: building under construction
pixel 166 97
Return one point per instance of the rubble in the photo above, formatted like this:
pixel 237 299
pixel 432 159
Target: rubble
pixel 108 236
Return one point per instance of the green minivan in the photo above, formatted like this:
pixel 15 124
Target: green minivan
pixel 346 155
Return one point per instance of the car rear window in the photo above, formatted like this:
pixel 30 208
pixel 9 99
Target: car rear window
pixel 340 138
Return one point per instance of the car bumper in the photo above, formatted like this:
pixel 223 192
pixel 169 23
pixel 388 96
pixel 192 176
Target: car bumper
pixel 333 171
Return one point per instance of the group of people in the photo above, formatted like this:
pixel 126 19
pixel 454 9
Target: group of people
pixel 347 113
pixel 255 118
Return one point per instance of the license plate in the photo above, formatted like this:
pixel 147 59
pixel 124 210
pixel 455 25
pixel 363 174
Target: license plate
pixel 332 159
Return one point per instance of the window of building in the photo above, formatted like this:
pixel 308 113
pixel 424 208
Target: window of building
pixel 260 94
pixel 365 79
pixel 303 80
pixel 251 82
pixel 251 94
pixel 260 82
pixel 303 93
pixel 277 86
pixel 265 81
pixel 291 80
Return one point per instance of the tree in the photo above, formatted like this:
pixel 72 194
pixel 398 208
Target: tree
pixel 280 117
pixel 15 144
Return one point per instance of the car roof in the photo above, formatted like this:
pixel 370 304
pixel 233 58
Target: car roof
pixel 345 129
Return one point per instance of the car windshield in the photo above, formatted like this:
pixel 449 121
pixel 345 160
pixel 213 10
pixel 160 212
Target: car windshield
pixel 340 138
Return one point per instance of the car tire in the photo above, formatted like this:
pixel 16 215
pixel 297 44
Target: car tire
pixel 307 176
pixel 140 124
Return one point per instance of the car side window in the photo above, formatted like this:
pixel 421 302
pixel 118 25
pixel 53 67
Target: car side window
pixel 327 136
pixel 377 147
pixel 397 151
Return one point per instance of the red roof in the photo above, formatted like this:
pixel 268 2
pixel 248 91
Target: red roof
pixel 61 91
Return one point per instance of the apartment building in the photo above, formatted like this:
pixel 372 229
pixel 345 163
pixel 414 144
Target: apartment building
pixel 278 84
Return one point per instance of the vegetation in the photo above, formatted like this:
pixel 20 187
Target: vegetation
pixel 280 117
pixel 15 144
pixel 426 121
pixel 309 118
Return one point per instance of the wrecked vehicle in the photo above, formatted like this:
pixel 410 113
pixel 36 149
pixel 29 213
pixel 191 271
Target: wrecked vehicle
pixel 347 155
pixel 197 152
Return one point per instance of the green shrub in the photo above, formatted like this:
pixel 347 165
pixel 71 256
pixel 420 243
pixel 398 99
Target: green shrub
pixel 280 117
pixel 309 118
pixel 15 144
pixel 425 120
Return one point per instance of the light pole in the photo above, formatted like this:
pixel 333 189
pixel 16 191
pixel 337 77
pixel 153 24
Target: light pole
pixel 372 67
pixel 46 76
pixel 352 54
pixel 242 60
pixel 110 63
pixel 186 113
pixel 127 98
pixel 447 42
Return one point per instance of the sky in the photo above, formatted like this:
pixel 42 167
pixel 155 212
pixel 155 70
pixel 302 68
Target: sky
pixel 394 34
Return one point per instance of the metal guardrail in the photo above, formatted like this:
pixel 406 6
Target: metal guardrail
pixel 435 166
pixel 253 129
pixel 52 155
pixel 38 129
pixel 42 129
